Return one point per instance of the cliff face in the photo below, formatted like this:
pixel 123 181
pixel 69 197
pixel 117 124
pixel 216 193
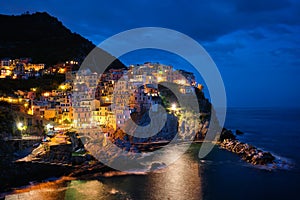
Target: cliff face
pixel 43 38
pixel 184 125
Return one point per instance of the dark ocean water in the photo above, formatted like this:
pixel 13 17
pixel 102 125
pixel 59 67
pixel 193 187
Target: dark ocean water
pixel 272 129
pixel 220 175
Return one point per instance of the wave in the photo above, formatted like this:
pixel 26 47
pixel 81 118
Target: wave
pixel 280 163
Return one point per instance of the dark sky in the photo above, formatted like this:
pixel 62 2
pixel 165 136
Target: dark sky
pixel 255 43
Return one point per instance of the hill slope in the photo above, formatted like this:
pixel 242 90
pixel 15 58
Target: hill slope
pixel 43 38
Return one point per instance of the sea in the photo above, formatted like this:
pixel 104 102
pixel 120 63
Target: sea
pixel 220 175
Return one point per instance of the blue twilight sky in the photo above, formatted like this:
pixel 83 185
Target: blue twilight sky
pixel 255 44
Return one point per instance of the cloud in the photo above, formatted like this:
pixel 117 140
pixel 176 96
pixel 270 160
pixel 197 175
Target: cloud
pixel 250 40
pixel 255 6
pixel 224 48
pixel 257 35
pixel 286 51
pixel 202 20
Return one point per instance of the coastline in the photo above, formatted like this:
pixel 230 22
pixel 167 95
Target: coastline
pixel 30 171
pixel 86 171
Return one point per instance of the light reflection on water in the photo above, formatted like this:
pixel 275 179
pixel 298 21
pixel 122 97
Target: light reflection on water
pixel 180 180
pixel 92 189
pixel 74 189
pixel 222 174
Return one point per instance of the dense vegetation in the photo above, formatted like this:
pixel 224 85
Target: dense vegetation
pixel 46 83
pixel 43 38
pixel 6 120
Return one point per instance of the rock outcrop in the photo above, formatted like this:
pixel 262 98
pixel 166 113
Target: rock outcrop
pixel 238 132
pixel 247 152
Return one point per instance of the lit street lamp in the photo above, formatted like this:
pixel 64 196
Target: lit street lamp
pixel 173 107
pixel 21 127
pixel 49 126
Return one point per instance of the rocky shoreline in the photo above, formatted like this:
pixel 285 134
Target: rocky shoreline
pixel 85 167
pixel 247 152
pixel 23 173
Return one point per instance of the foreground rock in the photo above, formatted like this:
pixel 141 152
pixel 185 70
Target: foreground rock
pixel 22 173
pixel 247 152
pixel 238 132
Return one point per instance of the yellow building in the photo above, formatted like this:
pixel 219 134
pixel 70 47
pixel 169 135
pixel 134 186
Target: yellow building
pixel 49 114
pixel 67 116
pixel 111 120
pixel 100 115
pixel 35 67
pixel 6 71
